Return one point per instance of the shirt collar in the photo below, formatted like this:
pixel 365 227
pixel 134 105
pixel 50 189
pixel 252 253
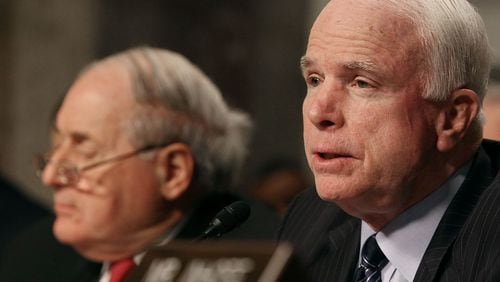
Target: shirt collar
pixel 162 240
pixel 405 239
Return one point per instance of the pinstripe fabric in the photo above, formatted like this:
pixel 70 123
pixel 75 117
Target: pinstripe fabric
pixel 465 246
pixel 464 242
pixel 326 238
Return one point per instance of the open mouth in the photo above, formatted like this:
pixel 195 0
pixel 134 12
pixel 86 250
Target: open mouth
pixel 329 156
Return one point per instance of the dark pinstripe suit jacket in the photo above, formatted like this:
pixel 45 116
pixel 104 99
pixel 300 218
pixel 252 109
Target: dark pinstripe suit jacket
pixel 465 246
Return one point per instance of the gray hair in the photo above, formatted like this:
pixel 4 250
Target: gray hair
pixel 179 103
pixel 455 43
pixel 456 49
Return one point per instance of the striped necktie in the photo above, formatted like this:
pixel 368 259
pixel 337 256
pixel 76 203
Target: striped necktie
pixel 372 261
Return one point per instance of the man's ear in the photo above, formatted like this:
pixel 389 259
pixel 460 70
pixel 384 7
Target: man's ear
pixel 175 168
pixel 456 117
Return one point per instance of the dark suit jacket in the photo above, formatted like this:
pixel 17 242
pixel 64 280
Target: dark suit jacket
pixel 465 246
pixel 36 255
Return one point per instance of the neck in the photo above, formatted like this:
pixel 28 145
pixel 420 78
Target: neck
pixel 131 245
pixel 429 179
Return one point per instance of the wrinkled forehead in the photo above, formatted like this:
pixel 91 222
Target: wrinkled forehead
pixel 373 28
pixel 103 87
pixel 379 18
pixel 97 103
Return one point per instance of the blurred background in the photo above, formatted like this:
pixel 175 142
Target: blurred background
pixel 250 49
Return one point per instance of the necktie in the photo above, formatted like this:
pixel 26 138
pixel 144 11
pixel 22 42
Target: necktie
pixel 372 261
pixel 120 268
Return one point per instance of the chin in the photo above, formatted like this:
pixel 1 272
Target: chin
pixel 67 232
pixel 337 189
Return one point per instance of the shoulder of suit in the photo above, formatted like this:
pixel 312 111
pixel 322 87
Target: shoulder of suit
pixel 308 210
pixel 492 149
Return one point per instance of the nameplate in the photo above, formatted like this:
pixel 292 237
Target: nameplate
pixel 216 261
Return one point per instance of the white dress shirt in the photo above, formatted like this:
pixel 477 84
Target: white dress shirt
pixel 404 240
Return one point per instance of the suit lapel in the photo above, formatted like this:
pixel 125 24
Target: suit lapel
pixel 454 218
pixel 344 242
pixel 333 246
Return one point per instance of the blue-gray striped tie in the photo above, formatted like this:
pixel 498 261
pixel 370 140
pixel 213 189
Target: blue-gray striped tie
pixel 372 261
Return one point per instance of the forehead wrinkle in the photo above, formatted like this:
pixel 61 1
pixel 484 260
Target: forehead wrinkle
pixel 374 54
pixel 102 95
pixel 350 41
pixel 383 33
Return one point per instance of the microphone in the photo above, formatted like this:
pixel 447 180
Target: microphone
pixel 226 220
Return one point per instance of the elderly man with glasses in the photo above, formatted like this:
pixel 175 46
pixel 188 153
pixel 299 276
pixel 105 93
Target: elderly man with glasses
pixel 143 137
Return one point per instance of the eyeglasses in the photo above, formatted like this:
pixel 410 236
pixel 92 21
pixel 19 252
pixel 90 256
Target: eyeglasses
pixel 69 173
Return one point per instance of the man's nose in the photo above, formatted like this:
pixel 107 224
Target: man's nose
pixel 50 175
pixel 323 107
pixel 55 173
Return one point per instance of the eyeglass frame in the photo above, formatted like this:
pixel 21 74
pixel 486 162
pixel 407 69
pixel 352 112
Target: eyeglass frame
pixel 41 161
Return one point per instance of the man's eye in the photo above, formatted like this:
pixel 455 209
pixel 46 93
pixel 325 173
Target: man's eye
pixel 313 81
pixel 362 84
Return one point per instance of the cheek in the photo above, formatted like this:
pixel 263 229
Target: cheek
pixel 112 198
pixel 395 144
pixel 306 132
pixel 100 209
pixel 135 199
pixel 91 219
pixel 305 121
pixel 117 212
pixel 310 113
pixel 96 215
pixel 380 131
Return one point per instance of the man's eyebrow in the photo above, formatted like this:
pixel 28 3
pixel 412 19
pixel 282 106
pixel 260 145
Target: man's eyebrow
pixel 361 65
pixel 79 137
pixel 305 62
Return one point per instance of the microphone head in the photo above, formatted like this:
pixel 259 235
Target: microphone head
pixel 231 216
